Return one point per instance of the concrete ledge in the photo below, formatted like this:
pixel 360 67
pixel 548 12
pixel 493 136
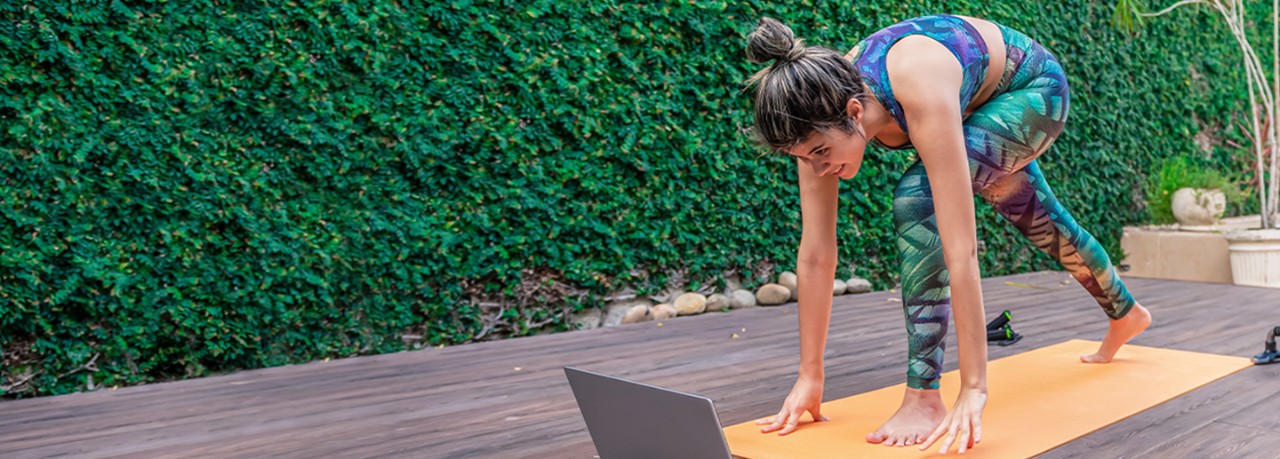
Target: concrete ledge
pixel 1168 253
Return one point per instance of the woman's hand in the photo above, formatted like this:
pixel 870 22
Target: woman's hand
pixel 806 395
pixel 964 419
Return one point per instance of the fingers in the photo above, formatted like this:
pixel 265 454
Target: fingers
pixel 951 438
pixel 933 437
pixel 970 432
pixel 793 420
pixel 774 422
pixel 962 428
pixel 785 421
pixel 948 426
pixel 817 416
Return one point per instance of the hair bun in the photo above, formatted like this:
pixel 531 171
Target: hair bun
pixel 773 40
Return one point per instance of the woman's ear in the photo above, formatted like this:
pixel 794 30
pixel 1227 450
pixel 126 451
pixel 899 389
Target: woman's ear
pixel 854 108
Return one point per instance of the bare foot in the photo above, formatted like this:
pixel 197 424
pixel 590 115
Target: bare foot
pixel 920 413
pixel 1121 332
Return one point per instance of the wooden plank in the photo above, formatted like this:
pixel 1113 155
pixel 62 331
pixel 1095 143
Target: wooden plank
pixel 1264 415
pixel 1220 440
pixel 470 401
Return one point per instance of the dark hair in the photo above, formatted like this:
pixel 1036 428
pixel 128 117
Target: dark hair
pixel 806 89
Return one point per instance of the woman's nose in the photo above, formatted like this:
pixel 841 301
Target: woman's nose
pixel 820 166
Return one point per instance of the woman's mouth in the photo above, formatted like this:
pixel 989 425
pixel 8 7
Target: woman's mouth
pixel 838 171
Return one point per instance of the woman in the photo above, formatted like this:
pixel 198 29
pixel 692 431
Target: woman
pixel 979 102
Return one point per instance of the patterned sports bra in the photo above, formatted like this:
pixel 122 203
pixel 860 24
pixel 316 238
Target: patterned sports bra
pixel 960 37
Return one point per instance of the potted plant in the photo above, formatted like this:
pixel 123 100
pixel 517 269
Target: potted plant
pixel 1255 253
pixel 1194 196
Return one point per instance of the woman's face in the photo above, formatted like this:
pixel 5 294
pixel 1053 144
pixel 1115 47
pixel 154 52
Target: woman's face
pixel 831 152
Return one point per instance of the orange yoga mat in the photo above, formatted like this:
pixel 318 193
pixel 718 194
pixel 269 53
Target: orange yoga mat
pixel 1038 400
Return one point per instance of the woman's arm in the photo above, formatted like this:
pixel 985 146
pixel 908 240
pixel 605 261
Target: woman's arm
pixel 815 265
pixel 815 270
pixel 932 107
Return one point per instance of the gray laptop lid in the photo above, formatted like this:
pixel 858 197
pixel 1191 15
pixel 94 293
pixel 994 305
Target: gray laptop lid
pixel 628 419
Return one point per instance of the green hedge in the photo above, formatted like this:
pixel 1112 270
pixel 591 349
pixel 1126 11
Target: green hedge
pixel 196 187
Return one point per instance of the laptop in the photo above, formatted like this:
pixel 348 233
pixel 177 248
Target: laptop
pixel 628 419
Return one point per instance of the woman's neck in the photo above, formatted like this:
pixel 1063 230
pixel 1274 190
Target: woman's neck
pixel 875 117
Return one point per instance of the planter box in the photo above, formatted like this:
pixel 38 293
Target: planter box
pixel 1255 257
pixel 1168 253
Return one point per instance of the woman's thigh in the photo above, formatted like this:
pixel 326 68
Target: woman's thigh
pixel 1018 125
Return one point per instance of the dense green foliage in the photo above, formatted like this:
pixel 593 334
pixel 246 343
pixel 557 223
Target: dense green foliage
pixel 203 186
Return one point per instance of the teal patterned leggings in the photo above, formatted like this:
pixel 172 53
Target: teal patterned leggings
pixel 1003 138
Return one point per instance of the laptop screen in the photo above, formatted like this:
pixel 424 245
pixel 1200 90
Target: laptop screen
pixel 628 419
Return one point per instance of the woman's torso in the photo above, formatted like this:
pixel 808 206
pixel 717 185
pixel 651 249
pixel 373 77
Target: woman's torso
pixel 976 43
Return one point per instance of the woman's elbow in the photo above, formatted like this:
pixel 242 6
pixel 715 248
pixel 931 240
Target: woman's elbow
pixel 816 255
pixel 962 260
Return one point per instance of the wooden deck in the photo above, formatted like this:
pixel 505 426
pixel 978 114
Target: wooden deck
pixel 510 398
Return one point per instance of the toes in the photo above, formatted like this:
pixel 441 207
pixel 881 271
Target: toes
pixel 915 439
pixel 875 438
pixel 1094 358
